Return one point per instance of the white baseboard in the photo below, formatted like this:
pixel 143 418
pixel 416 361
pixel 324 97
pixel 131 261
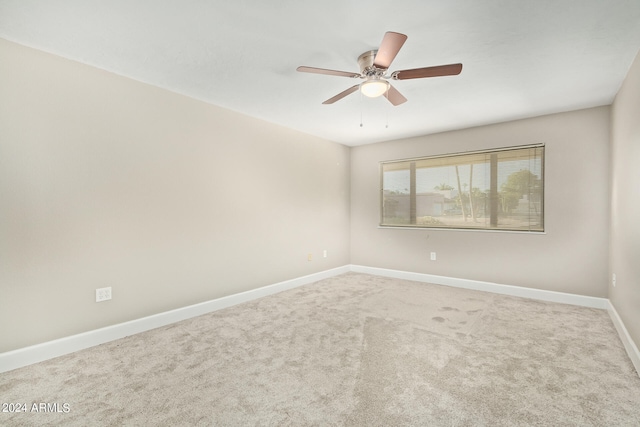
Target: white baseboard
pixel 629 345
pixel 37 353
pixel 495 288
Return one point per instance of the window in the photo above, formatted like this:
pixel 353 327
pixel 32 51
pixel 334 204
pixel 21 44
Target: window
pixel 501 189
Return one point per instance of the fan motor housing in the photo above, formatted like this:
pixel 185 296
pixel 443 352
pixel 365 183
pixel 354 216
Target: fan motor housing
pixel 365 62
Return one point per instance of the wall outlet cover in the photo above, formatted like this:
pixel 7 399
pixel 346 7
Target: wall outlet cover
pixel 103 294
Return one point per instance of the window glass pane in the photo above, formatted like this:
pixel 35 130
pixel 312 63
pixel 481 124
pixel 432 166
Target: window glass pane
pixel 395 205
pixel 520 190
pixel 501 189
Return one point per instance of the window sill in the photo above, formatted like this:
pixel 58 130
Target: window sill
pixel 477 230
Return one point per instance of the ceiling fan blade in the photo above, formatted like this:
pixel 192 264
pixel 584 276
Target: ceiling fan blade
pixel 389 48
pixel 314 70
pixel 394 97
pixel 342 94
pixel 419 73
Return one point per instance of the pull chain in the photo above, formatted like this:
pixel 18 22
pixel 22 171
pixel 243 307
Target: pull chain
pixel 360 108
pixel 386 126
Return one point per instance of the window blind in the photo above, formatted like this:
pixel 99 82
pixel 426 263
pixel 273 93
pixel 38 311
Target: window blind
pixel 499 189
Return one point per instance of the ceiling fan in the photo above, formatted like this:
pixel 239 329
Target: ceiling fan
pixel 374 65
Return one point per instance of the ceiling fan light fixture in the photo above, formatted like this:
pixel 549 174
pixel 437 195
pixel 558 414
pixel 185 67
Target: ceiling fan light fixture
pixel 374 88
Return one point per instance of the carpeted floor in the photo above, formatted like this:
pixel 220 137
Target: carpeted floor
pixel 354 350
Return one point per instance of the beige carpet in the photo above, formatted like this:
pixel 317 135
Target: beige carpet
pixel 354 350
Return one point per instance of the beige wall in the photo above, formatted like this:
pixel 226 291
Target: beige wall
pixel 572 256
pixel 625 202
pixel 105 181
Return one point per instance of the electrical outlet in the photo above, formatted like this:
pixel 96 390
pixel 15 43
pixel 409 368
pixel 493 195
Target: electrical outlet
pixel 103 294
pixel 309 257
pixel 613 280
pixel 433 256
pixel 324 253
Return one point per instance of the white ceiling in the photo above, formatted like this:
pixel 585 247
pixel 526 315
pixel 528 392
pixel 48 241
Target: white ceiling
pixel 521 58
